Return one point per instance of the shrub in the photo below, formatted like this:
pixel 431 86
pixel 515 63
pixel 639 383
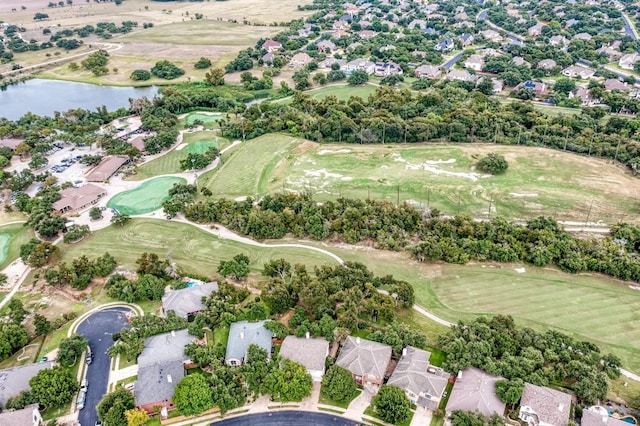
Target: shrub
pixel 140 75
pixel 493 163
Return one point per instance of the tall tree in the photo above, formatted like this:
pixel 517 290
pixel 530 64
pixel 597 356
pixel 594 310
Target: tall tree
pixel 338 384
pixel 111 409
pixel 392 404
pixel 54 387
pixel 192 395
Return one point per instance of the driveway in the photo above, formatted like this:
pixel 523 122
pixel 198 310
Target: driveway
pixel 421 417
pixel 358 405
pixel 98 329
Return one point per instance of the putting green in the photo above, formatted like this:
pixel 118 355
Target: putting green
pixel 205 118
pixel 199 147
pixel 146 198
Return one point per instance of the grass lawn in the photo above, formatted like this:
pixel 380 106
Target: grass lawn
pixel 207 119
pixel 11 238
pixel 193 249
pixel 221 335
pixel 235 179
pixel 539 180
pixel 342 404
pixel 343 92
pixel 602 310
pixel 146 198
pixel 370 412
pixel 197 142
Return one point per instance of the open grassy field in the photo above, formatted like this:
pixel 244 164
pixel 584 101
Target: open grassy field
pixel 208 119
pixel 247 168
pixel 342 91
pixel 146 198
pixel 197 142
pixel 11 238
pixel 539 180
pixel 193 249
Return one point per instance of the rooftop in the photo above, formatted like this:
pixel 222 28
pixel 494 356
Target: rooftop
pixel 75 198
pixel 413 374
pixel 475 390
pixel 362 356
pixel 244 333
pixel 549 405
pixel 187 300
pixel 311 353
pixel 28 416
pixel 107 167
pixel 591 417
pixel 14 380
pixel 165 347
pixel 156 382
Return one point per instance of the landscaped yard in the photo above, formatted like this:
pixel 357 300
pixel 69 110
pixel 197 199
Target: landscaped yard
pixel 193 249
pixel 197 142
pixel 341 404
pixel 539 181
pixel 146 198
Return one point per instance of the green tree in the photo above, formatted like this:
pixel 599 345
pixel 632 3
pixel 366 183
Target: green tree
pixel 338 384
pixel 111 409
pixel 215 77
pixel 238 267
pixel 120 219
pixel 392 404
pixel 493 163
pixel 166 70
pixel 358 77
pixel 486 86
pixel 564 85
pixel 192 395
pixel 42 324
pixel 203 63
pixel 140 75
pixel 510 391
pixel 71 349
pixel 17 312
pixel 54 387
pixel 289 382
pixel 95 213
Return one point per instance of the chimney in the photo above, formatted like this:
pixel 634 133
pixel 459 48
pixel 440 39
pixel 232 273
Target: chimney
pixel 242 334
pixel 307 335
pixel 404 351
pixel 357 340
pixel 173 333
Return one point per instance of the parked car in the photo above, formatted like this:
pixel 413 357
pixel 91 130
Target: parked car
pixel 84 385
pixel 43 359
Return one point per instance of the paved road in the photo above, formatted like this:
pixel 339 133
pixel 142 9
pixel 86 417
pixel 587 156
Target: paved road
pixel 98 329
pixel 288 418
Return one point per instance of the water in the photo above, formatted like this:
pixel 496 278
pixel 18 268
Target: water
pixel 44 97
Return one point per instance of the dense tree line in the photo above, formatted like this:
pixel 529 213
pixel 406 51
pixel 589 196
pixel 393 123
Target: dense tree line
pixel 540 242
pixel 449 113
pixel 80 271
pixel 497 346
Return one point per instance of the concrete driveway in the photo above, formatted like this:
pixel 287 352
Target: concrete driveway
pixel 421 417
pixel 98 329
pixel 358 405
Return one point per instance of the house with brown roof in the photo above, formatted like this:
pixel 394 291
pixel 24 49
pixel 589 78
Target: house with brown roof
pixel 475 390
pixel 300 59
pixel 138 142
pixel 428 71
pixel 585 96
pixel 28 416
pixel 366 360
pixel 311 353
pixel 542 406
pixel 107 168
pixel 11 143
pixel 423 383
pixel 538 88
pixel 77 199
pixel 366 34
pixel 546 64
pixel 615 84
pixel 271 45
pixel 535 31
pixel 595 416
pixel 491 35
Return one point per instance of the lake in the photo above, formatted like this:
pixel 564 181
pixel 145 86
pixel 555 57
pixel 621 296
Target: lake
pixel 44 97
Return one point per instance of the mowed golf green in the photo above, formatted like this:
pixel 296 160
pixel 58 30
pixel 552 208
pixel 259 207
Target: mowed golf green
pixel 197 143
pixel 539 181
pixel 146 198
pixel 11 238
pixel 203 118
pixel 193 249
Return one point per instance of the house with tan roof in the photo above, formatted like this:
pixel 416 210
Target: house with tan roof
pixel 558 40
pixel 546 64
pixel 272 45
pixel 107 168
pixel 428 71
pixel 28 416
pixel 475 390
pixel 187 302
pixel 11 143
pixel 542 406
pixel 366 360
pixel 615 84
pixel 77 199
pixel 459 75
pixel 474 62
pixel 628 61
pixel 300 59
pixel 576 71
pixel 423 383
pixel 310 352
pixel 535 31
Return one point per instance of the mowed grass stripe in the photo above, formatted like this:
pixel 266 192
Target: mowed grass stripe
pixel 146 198
pixel 12 237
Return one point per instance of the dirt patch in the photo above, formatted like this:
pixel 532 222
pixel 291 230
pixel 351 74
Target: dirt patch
pixel 304 147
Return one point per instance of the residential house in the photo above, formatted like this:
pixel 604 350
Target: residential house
pixel 628 61
pixel 352 10
pixel 360 64
pixel 187 302
pixel 340 25
pixel 535 31
pixel 417 23
pixel 431 31
pixel 498 85
pixel 519 61
pixel 584 95
pixel 268 58
pixel 546 64
pixel 340 33
pixel 424 384
pixel 582 36
pixel 311 353
pixel 542 406
pixel 327 63
pixel 419 53
pixel 366 360
pixel 445 45
pixel 107 168
pixel 138 142
pixel 474 62
pixel 242 334
pixel 539 89
pixel 77 199
pixel 466 39
pixel 15 380
pixel 300 59
pixel 161 366
pixel 576 71
pixel 491 52
pixel 611 53
pixel 491 35
pixel 570 22
pixel 464 24
pixel 387 48
pixel 460 16
pixel 326 46
pixel 558 40
pixel 272 45
pixel 28 416
pixel 385 69
pixel 366 34
pixel 428 71
pixel 475 390
pixel 615 84
pixel 598 416
pixel 459 75
pixel 11 143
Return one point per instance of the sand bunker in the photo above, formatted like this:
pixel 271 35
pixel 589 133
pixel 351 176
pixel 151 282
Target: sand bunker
pixel 428 166
pixel 332 151
pixel 179 147
pixel 519 195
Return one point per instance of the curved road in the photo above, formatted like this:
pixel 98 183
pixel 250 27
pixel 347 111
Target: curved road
pixel 288 418
pixel 98 329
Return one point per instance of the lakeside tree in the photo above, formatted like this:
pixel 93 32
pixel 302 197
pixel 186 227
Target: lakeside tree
pixel 203 63
pixel 392 404
pixel 53 387
pixel 140 75
pixel 166 70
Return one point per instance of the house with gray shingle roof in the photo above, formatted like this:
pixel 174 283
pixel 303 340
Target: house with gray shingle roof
pixel 187 302
pixel 161 366
pixel 28 416
pixel 311 353
pixel 366 360
pixel 242 334
pixel 475 390
pixel 542 406
pixel 15 380
pixel 594 417
pixel 423 383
